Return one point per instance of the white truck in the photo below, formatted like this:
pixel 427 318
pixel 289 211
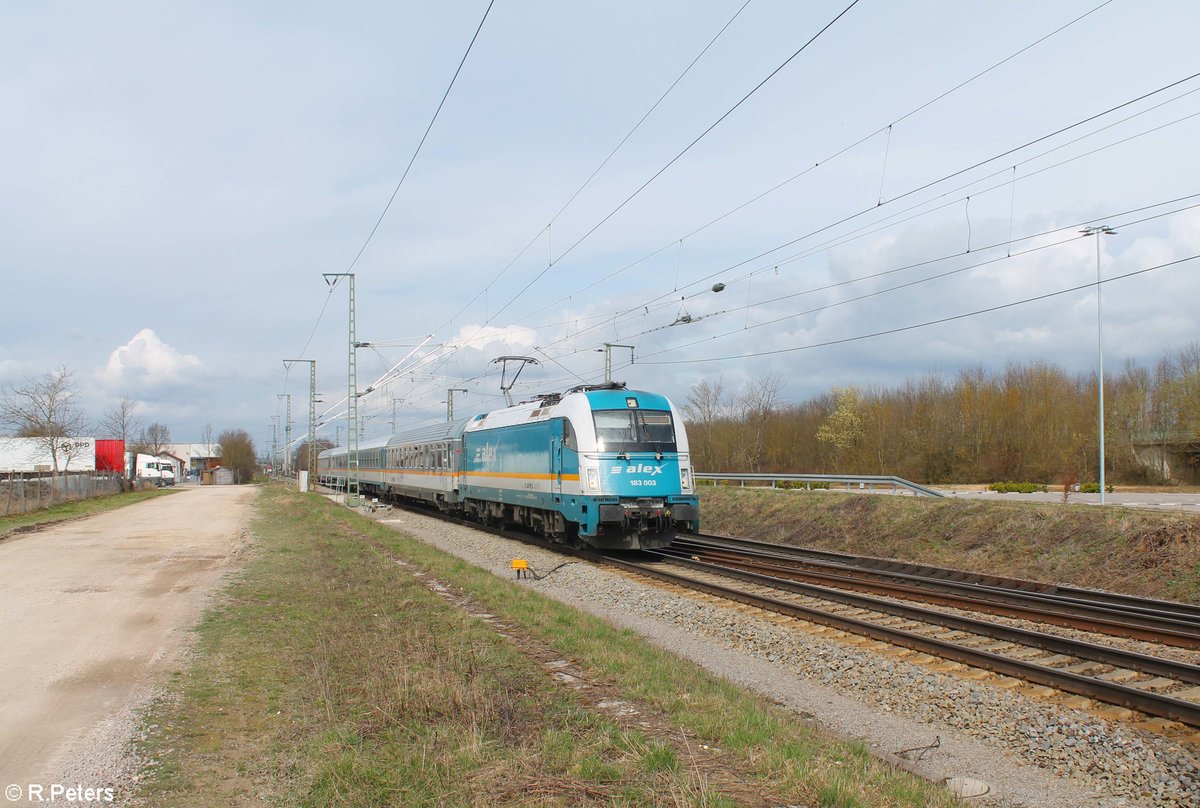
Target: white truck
pixel 149 469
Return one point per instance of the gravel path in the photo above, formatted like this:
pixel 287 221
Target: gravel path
pixel 1028 752
pixel 93 613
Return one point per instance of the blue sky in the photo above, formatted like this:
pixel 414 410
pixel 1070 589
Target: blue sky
pixel 177 177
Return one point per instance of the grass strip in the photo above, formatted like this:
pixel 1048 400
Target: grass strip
pixel 330 675
pixel 76 509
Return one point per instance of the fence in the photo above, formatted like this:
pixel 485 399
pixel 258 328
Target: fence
pixel 24 493
pixel 868 482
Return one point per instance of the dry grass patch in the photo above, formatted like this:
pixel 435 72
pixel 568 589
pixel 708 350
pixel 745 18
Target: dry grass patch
pixel 1120 549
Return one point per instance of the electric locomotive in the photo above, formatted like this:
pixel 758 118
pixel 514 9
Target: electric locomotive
pixel 598 465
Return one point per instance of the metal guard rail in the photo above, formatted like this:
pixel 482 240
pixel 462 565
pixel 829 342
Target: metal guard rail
pixel 867 480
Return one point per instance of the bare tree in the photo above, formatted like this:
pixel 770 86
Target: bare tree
pixel 120 422
pixel 758 405
pixel 206 437
pixel 300 455
pixel 154 438
pixel 237 454
pixel 704 410
pixel 45 408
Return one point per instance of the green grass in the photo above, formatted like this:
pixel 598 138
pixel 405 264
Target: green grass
pixel 73 510
pixel 329 675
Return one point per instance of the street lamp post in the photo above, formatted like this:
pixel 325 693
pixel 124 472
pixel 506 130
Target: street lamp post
pixel 1098 231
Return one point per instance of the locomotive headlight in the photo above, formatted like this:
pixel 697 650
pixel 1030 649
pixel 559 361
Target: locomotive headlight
pixel 685 478
pixel 593 479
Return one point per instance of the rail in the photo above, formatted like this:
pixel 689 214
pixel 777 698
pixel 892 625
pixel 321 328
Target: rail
pixel 867 481
pixel 946 645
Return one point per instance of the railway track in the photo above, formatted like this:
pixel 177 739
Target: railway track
pixel 1151 685
pixel 1158 622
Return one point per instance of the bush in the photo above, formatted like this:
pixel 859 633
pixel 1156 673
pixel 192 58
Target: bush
pixel 800 485
pixel 1017 488
pixel 1093 488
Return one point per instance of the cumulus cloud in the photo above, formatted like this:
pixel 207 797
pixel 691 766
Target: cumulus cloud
pixel 146 363
pixel 489 338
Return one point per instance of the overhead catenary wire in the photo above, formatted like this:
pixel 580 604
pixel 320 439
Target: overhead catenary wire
pixel 907 285
pixel 548 228
pixel 836 154
pixel 927 323
pixel 1071 228
pixel 872 208
pixel 489 317
pixel 404 176
pixel 492 316
pixel 876 227
pixel 428 128
pixel 675 159
pixel 964 169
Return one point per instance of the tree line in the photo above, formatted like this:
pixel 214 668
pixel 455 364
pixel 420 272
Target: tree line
pixel 48 408
pixel 1031 421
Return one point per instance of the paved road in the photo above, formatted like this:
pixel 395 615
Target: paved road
pixel 1186 503
pixel 1170 502
pixel 93 613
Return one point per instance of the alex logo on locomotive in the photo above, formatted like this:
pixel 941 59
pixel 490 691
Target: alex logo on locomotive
pixel 640 468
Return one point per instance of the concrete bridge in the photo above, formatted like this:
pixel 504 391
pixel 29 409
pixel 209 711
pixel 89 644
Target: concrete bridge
pixel 1173 454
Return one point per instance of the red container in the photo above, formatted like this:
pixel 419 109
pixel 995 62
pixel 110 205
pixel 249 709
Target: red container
pixel 110 455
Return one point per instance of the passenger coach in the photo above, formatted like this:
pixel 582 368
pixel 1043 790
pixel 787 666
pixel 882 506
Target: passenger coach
pixel 604 466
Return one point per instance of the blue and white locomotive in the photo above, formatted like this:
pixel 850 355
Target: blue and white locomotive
pixel 597 465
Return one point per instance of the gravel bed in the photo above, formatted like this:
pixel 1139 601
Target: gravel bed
pixel 1173 653
pixel 1028 752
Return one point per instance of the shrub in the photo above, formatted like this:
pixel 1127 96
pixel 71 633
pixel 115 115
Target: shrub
pixel 1017 488
pixel 1093 488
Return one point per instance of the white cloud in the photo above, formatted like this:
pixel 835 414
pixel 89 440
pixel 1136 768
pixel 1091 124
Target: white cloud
pixel 483 338
pixel 146 362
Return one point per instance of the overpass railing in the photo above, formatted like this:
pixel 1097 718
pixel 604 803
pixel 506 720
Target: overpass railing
pixel 1168 437
pixel 863 481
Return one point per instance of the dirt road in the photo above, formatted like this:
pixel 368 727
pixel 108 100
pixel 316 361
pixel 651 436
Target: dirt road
pixel 93 614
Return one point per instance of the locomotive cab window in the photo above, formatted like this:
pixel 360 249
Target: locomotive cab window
pixel 634 431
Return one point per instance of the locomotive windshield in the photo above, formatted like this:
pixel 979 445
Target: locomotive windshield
pixel 634 431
